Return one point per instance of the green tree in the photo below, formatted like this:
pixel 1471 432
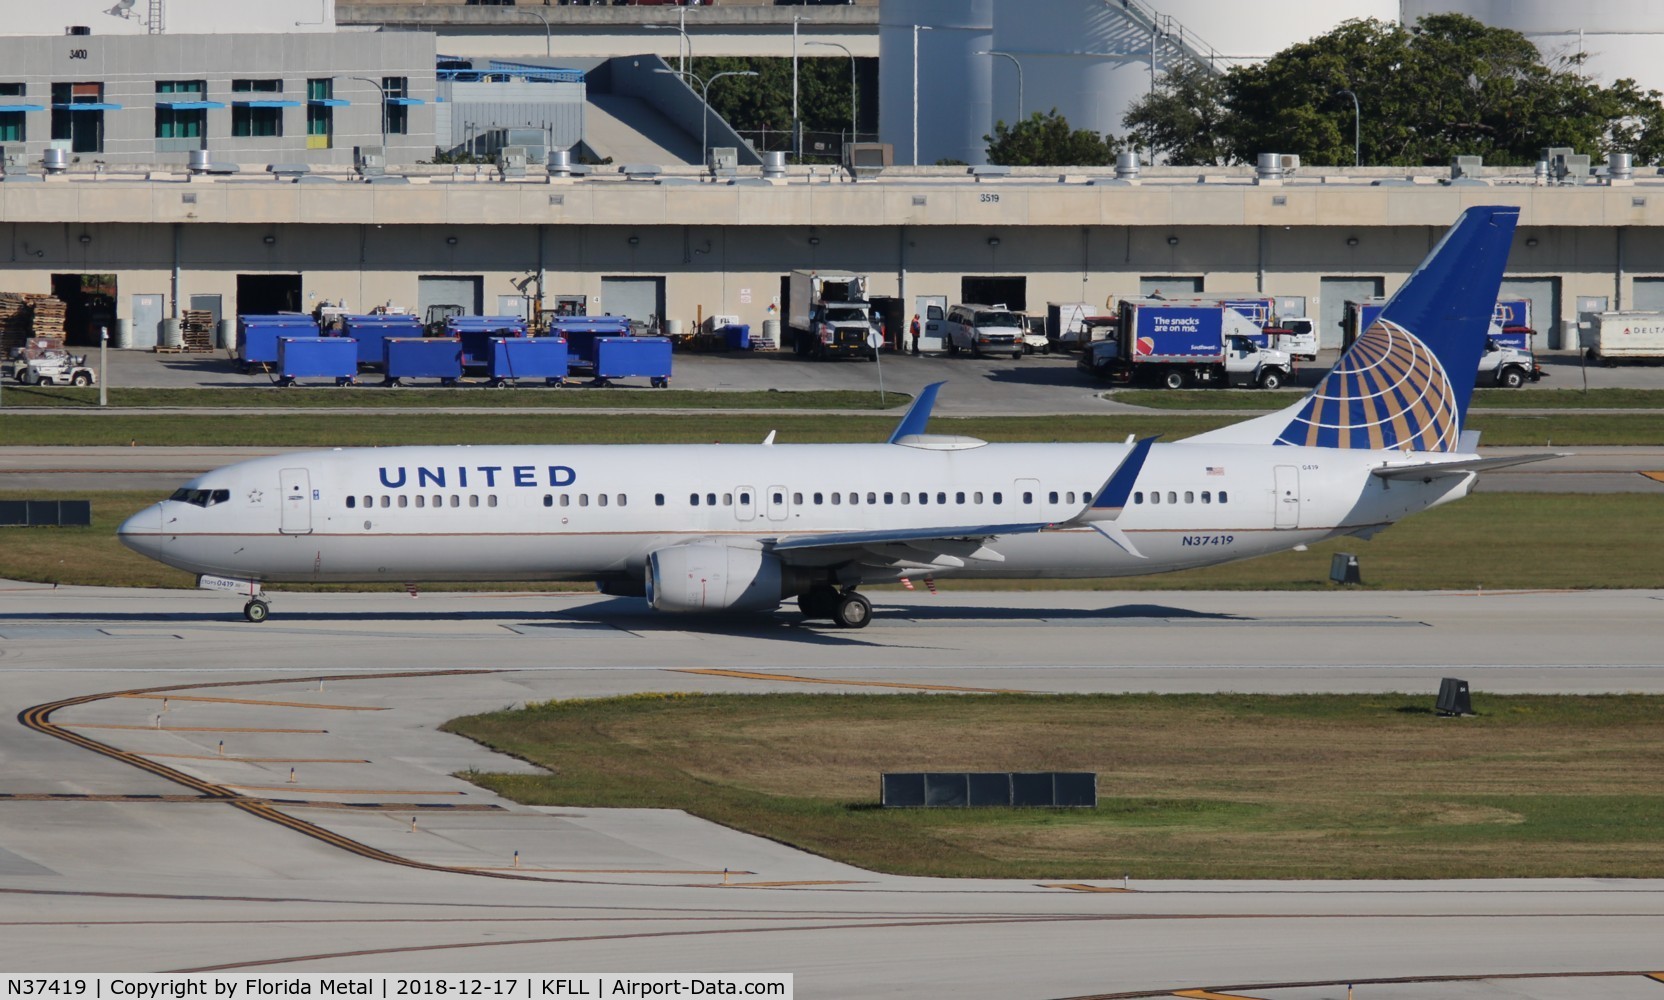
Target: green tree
pixel 760 104
pixel 1046 140
pixel 1185 118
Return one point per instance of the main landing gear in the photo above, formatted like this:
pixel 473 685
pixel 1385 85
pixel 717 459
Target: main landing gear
pixel 257 610
pixel 846 609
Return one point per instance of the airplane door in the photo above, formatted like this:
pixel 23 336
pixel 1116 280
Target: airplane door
pixel 1025 493
pixel 745 503
pixel 1288 497
pixel 777 503
pixel 297 502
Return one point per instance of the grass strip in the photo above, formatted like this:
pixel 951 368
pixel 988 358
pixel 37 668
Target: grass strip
pixel 1190 786
pixel 322 429
pixel 1258 400
pixel 1576 541
pixel 330 397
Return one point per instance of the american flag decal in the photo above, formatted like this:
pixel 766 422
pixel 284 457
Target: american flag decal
pixel 1216 470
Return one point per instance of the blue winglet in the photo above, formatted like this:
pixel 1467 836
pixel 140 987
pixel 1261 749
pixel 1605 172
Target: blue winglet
pixel 1118 490
pixel 917 415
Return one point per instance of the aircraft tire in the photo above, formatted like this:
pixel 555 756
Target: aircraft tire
pixel 852 611
pixel 257 611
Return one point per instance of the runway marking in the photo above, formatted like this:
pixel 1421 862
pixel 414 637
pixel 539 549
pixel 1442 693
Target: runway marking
pixel 195 729
pixel 1083 887
pixel 1656 476
pixel 749 675
pixel 256 701
pixel 1655 976
pixel 253 760
pixel 608 871
pixel 340 791
pixel 1210 995
pixel 93 797
pixel 773 885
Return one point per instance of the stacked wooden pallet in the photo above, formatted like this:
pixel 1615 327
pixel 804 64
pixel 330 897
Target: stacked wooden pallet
pixel 15 325
pixel 46 315
pixel 197 330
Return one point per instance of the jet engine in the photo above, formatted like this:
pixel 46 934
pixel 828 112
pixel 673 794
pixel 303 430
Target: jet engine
pixel 706 577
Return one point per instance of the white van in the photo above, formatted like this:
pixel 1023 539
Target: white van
pixel 983 329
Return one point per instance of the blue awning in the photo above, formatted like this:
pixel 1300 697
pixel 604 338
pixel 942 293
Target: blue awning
pixel 189 105
pixel 405 100
pixel 267 104
pixel 9 108
pixel 86 107
pixel 328 102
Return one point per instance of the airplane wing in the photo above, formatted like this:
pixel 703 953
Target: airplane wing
pixel 948 546
pixel 1434 470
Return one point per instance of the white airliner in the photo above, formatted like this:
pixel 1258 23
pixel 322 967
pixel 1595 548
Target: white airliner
pixel 744 527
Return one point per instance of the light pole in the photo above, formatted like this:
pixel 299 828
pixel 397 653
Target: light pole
pixel 103 366
pixel 383 92
pixel 705 96
pixel 547 41
pixel 683 42
pixel 1014 62
pixel 797 137
pixel 916 29
pixel 851 55
pixel 1357 121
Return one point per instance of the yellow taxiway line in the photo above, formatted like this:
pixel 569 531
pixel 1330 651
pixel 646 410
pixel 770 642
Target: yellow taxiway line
pixel 254 701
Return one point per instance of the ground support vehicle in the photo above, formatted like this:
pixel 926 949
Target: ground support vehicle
pixel 581 332
pixel 632 357
pixel 421 357
pixel 257 336
pixel 1066 324
pixel 55 368
pixel 1507 366
pixel 1296 335
pixel 842 330
pixel 1159 343
pixel 517 358
pixel 316 357
pixel 812 290
pixel 982 329
pixel 1628 336
pixel 1034 335
pixel 476 333
pixel 371 329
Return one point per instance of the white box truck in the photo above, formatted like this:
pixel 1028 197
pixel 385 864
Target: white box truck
pixel 815 289
pixel 1628 336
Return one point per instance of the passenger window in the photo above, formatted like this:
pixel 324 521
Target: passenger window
pixel 583 499
pixel 727 499
pixel 1086 498
pixel 959 498
pixel 1189 497
pixel 438 501
pixel 404 501
pixel 1138 496
pixel 352 502
pixel 818 497
pixel 710 499
pixel 623 499
pixel 999 498
pixel 924 498
pixel 836 499
pixel 473 499
pixel 456 501
pixel 1172 496
pixel 745 498
pixel 386 501
pixel 1071 496
pixel 566 499
pixel 976 497
pixel 797 499
pixel 1155 496
pixel 889 498
pixel 854 498
pixel 693 499
pixel 421 501
pixel 872 498
pixel 600 499
pixel 1207 497
pixel 548 500
pixel 1222 498
pixel 906 498
pixel 491 501
pixel 943 498
pixel 658 499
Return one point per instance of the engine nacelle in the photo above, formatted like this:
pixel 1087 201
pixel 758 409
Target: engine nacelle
pixel 714 578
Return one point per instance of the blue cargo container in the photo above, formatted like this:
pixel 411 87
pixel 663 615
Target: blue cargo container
pixel 257 335
pixel 371 330
pixel 514 358
pixel 628 357
pixel 476 332
pixel 580 333
pixel 317 357
pixel 422 357
pixel 736 336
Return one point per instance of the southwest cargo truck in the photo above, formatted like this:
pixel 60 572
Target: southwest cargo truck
pixel 1160 343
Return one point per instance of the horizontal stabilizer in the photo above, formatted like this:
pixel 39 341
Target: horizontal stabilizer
pixel 1431 470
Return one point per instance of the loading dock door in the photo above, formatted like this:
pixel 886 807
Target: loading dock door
pixel 992 291
pixel 267 293
pixel 641 299
pixel 1334 294
pixel 467 291
pixel 1544 294
pixel 1170 286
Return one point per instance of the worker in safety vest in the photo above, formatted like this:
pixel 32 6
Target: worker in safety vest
pixel 914 330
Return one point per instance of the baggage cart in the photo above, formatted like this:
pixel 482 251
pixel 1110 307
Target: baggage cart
pixel 516 358
pixel 371 330
pixel 257 336
pixel 422 357
pixel 632 357
pixel 316 357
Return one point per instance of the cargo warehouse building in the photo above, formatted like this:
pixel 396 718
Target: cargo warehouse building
pixel 679 246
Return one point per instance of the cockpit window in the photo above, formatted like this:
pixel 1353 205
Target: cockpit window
pixel 200 498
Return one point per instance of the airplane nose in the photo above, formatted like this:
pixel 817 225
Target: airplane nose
pixel 143 531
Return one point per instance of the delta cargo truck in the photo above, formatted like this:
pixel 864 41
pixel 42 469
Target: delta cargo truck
pixel 1628 336
pixel 1160 343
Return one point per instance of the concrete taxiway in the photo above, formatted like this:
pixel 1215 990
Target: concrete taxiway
pixel 133 839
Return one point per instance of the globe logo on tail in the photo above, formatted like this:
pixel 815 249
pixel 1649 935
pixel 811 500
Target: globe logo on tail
pixel 1388 391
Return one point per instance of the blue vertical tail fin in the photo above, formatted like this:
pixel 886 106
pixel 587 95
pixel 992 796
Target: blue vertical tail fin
pixel 1406 381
